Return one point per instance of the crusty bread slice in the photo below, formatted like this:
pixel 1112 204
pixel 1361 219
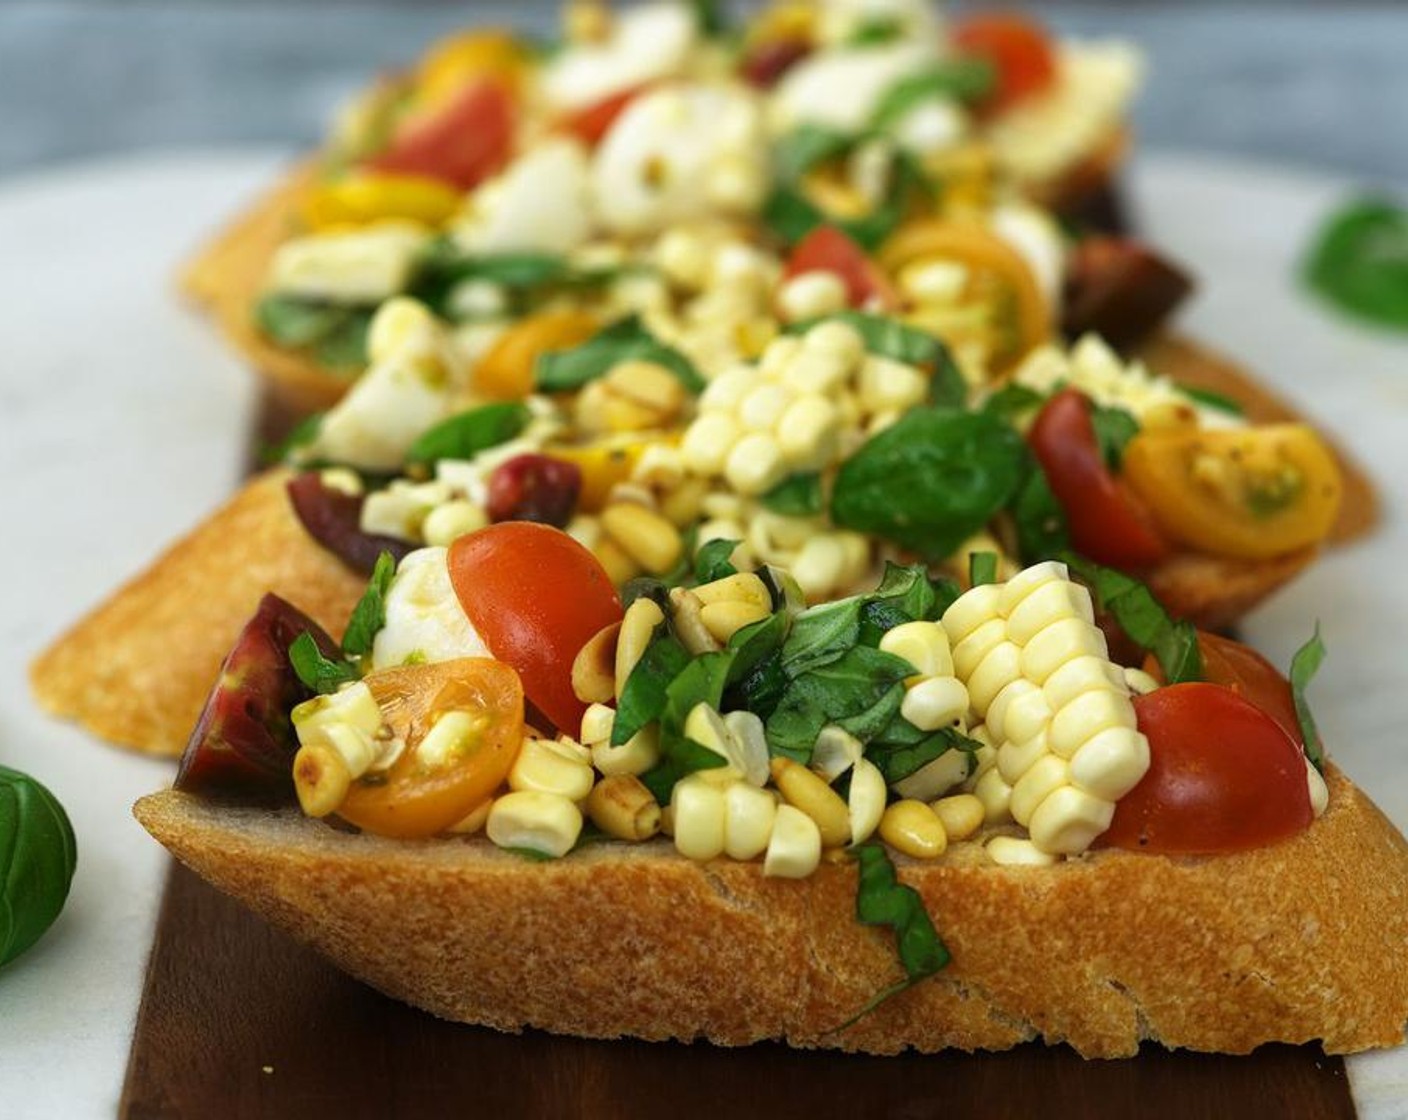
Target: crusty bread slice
pixel 137 669
pixel 1302 941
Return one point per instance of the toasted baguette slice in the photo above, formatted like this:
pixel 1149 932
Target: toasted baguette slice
pixel 137 670
pixel 1298 942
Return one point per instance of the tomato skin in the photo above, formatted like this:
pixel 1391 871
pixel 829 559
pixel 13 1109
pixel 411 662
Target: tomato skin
pixel 1223 776
pixel 764 65
pixel 412 800
pixel 1107 522
pixel 1018 48
pixel 535 596
pixel 827 249
pixel 591 124
pixel 1248 674
pixel 461 143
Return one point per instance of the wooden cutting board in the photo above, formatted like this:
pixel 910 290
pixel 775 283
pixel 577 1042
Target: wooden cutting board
pixel 239 1021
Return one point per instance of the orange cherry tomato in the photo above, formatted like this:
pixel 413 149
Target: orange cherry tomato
pixel 460 59
pixel 827 249
pixel 1107 522
pixel 421 795
pixel 595 121
pixel 505 373
pixel 461 142
pixel 1223 776
pixel 535 596
pixel 1245 672
pixel 1020 51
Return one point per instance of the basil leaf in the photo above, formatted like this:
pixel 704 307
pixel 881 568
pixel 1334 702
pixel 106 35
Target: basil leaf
pixel 322 674
pixel 904 749
pixel 931 480
pixel 369 615
pixel 982 568
pixel 467 434
pixel 821 634
pixel 714 561
pixel 797 495
pixel 701 681
pixel 626 340
pixel 38 855
pixel 345 348
pixel 290 321
pixel 684 758
pixel 860 691
pixel 807 145
pixel 1038 517
pixel 711 17
pixel 1143 618
pixel 1013 401
pixel 1359 261
pixel 1114 428
pixel 643 698
pixel 882 900
pixel 904 590
pixel 875 32
pixel 957 79
pixel 1304 665
pixel 1216 401
pixel 301 435
pixel 755 643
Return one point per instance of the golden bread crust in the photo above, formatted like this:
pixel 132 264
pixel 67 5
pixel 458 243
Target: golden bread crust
pixel 137 669
pixel 1297 942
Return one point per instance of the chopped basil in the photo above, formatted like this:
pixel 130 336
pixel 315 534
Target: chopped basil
pixel 860 691
pixel 903 749
pixel 337 333
pixel 1114 428
pixel 1143 618
pixel 714 561
pixel 982 568
pixel 701 681
pixel 821 634
pixel 625 340
pixel 345 349
pixel 1359 261
pixel 524 276
pixel 874 32
pixel 1038 517
pixel 369 615
pixel 643 697
pixel 301 435
pixel 797 495
pixel 1013 401
pixel 321 674
pixel 807 145
pixel 958 79
pixel 465 435
pixel 1304 665
pixel 711 17
pixel 931 480
pixel 1216 401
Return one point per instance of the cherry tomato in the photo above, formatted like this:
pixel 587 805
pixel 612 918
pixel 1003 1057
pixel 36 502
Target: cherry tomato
pixel 460 59
pixel 505 373
pixel 420 796
pixel 595 121
pixel 604 463
pixel 1223 776
pixel 827 249
pixel 1107 523
pixel 462 142
pixel 1246 673
pixel 535 596
pixel 1249 493
pixel 1019 50
pixel 534 488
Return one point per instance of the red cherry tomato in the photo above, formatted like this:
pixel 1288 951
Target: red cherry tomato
pixel 1019 50
pixel 1223 776
pixel 827 249
pixel 535 596
pixel 1246 673
pixel 1107 522
pixel 462 143
pixel 595 121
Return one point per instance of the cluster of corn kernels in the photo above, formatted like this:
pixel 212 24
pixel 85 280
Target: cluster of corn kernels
pixel 1061 734
pixel 938 292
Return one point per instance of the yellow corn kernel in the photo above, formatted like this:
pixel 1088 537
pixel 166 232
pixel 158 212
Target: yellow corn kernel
pixel 683 505
pixel 809 793
pixel 741 587
pixel 749 815
pixel 619 567
pixel 835 751
pixel 723 620
pixel 545 766
pixel 996 796
pixel 449 521
pixel 923 644
pixel 597 722
pixel 1068 820
pixel 961 815
pixel 1043 777
pixel 645 536
pixel 969 611
pixel 913 828
pixel 321 779
pixel 594 667
pixel 697 809
pixel 361 197
pixel 935 702
pixel 689 622
pixel 639 753
pixel 1013 851
pixel 547 823
pixel 637 628
pixel 794 849
pixel 622 807
pixel 474 820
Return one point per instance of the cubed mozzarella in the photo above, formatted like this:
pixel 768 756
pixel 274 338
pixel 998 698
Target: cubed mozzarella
pixel 842 88
pixel 540 204
pixel 646 44
pixel 424 619
pixel 357 266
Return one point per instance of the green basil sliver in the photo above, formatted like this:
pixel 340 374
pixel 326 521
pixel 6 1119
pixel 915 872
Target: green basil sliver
pixel 957 79
pixel 321 674
pixel 465 435
pixel 369 615
pixel 627 340
pixel 646 691
pixel 1304 665
pixel 1114 428
pixel 295 322
pixel 1218 402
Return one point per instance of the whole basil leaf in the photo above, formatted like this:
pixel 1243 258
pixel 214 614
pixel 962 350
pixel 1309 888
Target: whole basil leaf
pixel 466 434
pixel 931 480
pixel 1359 261
pixel 38 855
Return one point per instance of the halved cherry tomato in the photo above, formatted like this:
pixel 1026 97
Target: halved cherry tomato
pixel 1107 523
pixel 361 197
pixel 1249 493
pixel 1019 50
pixel 1246 673
pixel 505 373
pixel 462 142
pixel 535 596
pixel 827 249
pixel 419 796
pixel 603 463
pixel 1223 776
pixel 595 121
pixel 467 57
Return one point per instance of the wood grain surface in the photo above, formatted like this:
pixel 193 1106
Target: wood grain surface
pixel 239 1021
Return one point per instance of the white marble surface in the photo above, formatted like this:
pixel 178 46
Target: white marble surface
pixel 122 421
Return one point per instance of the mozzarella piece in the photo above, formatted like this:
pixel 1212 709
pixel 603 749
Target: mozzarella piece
pixel 542 203
pixel 646 43
pixel 679 154
pixel 360 266
pixel 933 126
pixel 424 619
pixel 842 88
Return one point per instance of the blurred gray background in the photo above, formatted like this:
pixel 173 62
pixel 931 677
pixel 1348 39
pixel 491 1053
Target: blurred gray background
pixel 1310 84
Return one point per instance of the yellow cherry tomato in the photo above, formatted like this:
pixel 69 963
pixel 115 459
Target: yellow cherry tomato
pixel 1248 493
pixel 459 59
pixel 362 197
pixel 425 792
pixel 603 464
pixel 505 373
pixel 992 262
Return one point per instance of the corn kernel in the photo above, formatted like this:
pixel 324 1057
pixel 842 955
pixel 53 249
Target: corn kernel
pixel 962 815
pixel 810 295
pixel 622 807
pixel 698 816
pixel 866 800
pixel 447 522
pixel 913 828
pixel 794 850
pixel 1068 821
pixel 809 793
pixel 546 823
pixel 923 644
pixel 548 767
pixel 708 442
pixel 749 816
pixel 935 702
pixel 1012 851
pixel 639 753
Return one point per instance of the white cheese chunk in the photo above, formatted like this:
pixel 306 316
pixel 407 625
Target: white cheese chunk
pixel 842 88
pixel 646 43
pixel 541 203
pixel 424 619
pixel 364 265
